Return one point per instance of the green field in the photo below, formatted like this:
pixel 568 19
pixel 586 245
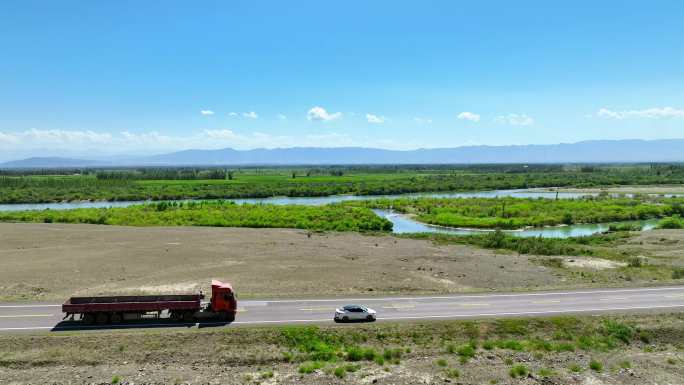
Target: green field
pixel 515 213
pixel 168 184
pixel 215 213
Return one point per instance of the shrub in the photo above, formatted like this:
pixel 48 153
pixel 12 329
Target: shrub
pixel 575 368
pixel 452 373
pixel 671 223
pixel 618 330
pixel 310 367
pixel 340 372
pixel 267 374
pixel 678 273
pixel 519 371
pixel 441 362
pixel 595 366
pixel 116 380
pixel 466 351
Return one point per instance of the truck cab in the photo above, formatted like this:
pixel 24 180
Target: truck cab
pixel 223 302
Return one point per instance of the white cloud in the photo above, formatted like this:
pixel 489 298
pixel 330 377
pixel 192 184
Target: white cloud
pixel 250 115
pixel 320 114
pixel 220 134
pixel 648 113
pixel 207 112
pixel 8 138
pixel 374 119
pixel 281 117
pixel 422 120
pixel 515 119
pixel 470 116
pixel 65 136
pixel 233 114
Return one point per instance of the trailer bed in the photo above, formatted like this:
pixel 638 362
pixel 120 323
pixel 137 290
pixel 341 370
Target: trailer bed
pixel 131 303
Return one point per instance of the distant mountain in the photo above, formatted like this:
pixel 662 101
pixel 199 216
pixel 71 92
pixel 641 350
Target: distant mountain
pixel 51 162
pixel 597 151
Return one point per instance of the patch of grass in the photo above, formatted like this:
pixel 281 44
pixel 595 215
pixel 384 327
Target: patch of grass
pixel 441 362
pixel 266 374
pixel 618 330
pixel 310 367
pixel 575 368
pixel 678 273
pixel 596 366
pixel 116 380
pixel 488 345
pixel 671 361
pixel 519 370
pixel 465 353
pixel 512 326
pixel 546 372
pixel 625 365
pixel 452 373
pixel 340 372
pixel 510 345
pixel 508 361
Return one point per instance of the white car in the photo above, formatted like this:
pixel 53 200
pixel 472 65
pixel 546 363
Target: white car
pixel 354 313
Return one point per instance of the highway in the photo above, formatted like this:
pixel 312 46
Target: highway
pixel 18 317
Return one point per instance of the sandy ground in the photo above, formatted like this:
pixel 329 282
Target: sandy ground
pixel 53 261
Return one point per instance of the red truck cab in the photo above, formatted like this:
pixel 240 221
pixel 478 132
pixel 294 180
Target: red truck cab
pixel 223 299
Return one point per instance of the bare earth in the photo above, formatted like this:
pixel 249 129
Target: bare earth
pixel 54 261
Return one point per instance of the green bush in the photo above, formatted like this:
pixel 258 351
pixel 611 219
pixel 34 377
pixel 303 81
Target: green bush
pixel 310 367
pixel 595 366
pixel 519 371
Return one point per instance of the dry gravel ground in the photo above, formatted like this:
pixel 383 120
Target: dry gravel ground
pixel 256 355
pixel 53 261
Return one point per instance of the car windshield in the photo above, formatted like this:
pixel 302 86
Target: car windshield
pixel 354 308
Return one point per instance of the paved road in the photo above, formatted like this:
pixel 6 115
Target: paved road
pixel 34 317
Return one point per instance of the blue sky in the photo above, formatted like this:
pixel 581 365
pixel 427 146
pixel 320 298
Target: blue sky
pixel 134 77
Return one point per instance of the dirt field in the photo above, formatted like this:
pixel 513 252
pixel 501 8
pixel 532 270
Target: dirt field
pixel 640 350
pixel 53 261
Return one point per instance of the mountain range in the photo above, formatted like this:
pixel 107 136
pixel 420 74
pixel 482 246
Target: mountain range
pixel 596 151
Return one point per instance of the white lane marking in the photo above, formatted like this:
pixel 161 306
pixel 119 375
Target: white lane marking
pixel 318 308
pixel 675 296
pixel 534 312
pixel 27 306
pixel 26 315
pixel 613 299
pixel 604 291
pixel 540 312
pixel 338 300
pixel 473 304
pixel 546 301
pixel 399 306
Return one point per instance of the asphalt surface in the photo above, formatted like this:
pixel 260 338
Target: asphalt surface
pixel 17 317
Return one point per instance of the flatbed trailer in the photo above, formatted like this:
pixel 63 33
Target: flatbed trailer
pixel 183 307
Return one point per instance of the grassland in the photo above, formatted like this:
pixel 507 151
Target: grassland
pixel 215 214
pixel 515 213
pixel 18 187
pixel 628 349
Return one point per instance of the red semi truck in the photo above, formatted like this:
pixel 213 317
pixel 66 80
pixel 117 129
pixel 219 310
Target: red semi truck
pixel 185 307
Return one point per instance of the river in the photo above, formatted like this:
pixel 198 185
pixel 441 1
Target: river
pixel 401 223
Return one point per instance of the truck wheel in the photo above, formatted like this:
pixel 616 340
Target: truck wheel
pixel 88 318
pixel 189 316
pixel 102 318
pixel 176 316
pixel 116 318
